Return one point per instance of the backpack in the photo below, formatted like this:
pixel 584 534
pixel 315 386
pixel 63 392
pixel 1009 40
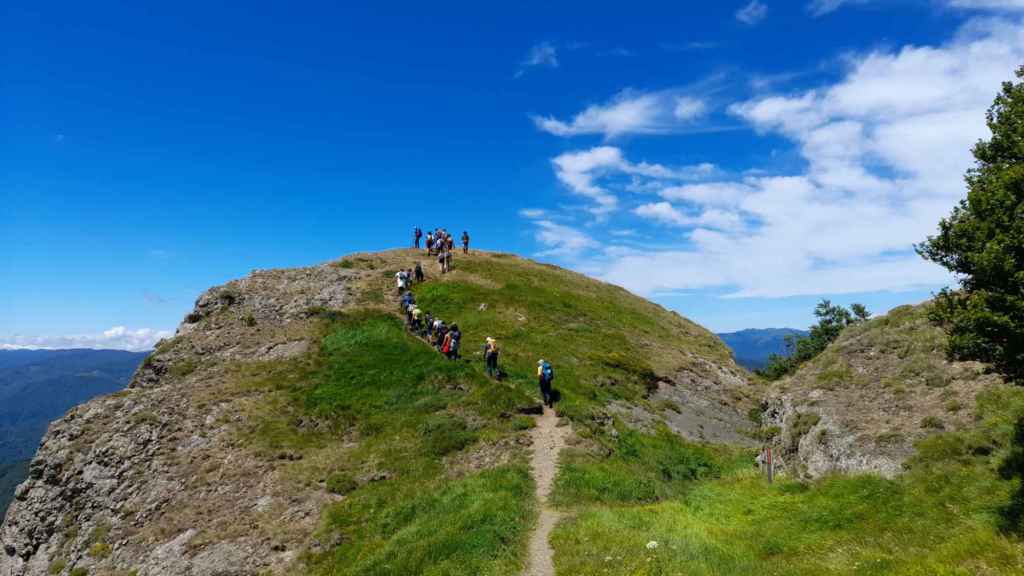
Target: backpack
pixel 548 371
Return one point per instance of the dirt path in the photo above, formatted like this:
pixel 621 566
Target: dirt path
pixel 548 441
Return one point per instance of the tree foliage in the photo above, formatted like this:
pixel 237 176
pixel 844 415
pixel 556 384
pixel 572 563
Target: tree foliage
pixel 832 319
pixel 982 242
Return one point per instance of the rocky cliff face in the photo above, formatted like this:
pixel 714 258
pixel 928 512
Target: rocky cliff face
pixel 153 480
pixel 863 403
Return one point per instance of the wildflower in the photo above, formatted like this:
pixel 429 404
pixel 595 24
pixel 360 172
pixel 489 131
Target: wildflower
pixel 652 545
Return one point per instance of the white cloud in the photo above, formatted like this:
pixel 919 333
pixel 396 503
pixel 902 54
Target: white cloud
pixel 116 338
pixel 752 13
pixel 543 54
pixel 581 170
pixel 630 112
pixel 886 148
pixel 666 213
pixel 987 4
pixel 562 241
pixel 533 213
pixel 822 7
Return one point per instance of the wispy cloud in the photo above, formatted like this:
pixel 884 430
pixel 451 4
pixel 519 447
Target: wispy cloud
pixel 686 46
pixel 561 241
pixel 581 171
pixel 633 112
pixel 116 338
pixel 543 54
pixel 753 13
pixel 822 7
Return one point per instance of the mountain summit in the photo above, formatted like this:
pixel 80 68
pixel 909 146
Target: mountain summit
pixel 292 424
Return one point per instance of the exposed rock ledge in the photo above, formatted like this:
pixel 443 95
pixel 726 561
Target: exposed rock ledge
pixel 153 480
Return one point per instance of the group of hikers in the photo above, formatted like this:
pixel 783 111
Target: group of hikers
pixel 405 278
pixel 441 244
pixel 447 339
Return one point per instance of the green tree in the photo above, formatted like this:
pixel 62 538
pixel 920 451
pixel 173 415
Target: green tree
pixel 982 242
pixel 832 320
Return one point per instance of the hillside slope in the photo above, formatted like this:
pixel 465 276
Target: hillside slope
pixel 881 400
pixel 870 396
pixel 293 426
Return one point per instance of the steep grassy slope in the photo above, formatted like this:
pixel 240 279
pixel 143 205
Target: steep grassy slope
pixel 943 515
pixel 428 453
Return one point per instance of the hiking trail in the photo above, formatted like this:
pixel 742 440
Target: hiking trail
pixel 548 440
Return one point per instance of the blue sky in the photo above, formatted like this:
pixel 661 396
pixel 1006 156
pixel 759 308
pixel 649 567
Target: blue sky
pixel 733 161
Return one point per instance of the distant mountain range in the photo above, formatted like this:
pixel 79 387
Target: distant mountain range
pixel 753 346
pixel 38 386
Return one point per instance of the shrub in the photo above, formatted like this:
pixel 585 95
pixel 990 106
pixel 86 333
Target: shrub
pixel 57 566
pixel 341 483
pixel 446 434
pixel 932 423
pixel 99 550
pixel 802 423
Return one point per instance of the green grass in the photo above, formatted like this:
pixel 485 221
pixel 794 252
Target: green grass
pixel 640 468
pixel 604 343
pixel 475 525
pixel 408 409
pixel 940 517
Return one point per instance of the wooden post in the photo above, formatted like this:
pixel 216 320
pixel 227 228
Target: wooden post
pixel 771 466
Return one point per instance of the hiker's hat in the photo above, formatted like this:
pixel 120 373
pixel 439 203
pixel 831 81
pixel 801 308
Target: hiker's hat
pixel 541 361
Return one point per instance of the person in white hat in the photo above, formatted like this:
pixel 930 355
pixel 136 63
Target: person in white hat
pixel 491 357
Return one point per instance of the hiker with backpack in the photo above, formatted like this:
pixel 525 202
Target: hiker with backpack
pixel 465 242
pixel 442 336
pixel 491 357
pixel 417 316
pixel 420 276
pixel 448 260
pixel 451 346
pixel 417 234
pixel 545 374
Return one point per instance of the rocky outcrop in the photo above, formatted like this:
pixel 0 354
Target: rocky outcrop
pixel 864 402
pixel 154 480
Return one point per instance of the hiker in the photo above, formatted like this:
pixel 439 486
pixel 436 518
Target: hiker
pixel 465 242
pixel 408 313
pixel 420 276
pixel 450 242
pixel 491 357
pixel 407 298
pixel 430 243
pixel 417 234
pixel 442 336
pixel 428 325
pixel 408 275
pixel 417 315
pixel 455 336
pixel 446 346
pixel 448 260
pixel 401 280
pixel 441 257
pixel 545 374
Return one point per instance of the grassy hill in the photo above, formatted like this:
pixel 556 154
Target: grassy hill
pixel 428 453
pixel 293 426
